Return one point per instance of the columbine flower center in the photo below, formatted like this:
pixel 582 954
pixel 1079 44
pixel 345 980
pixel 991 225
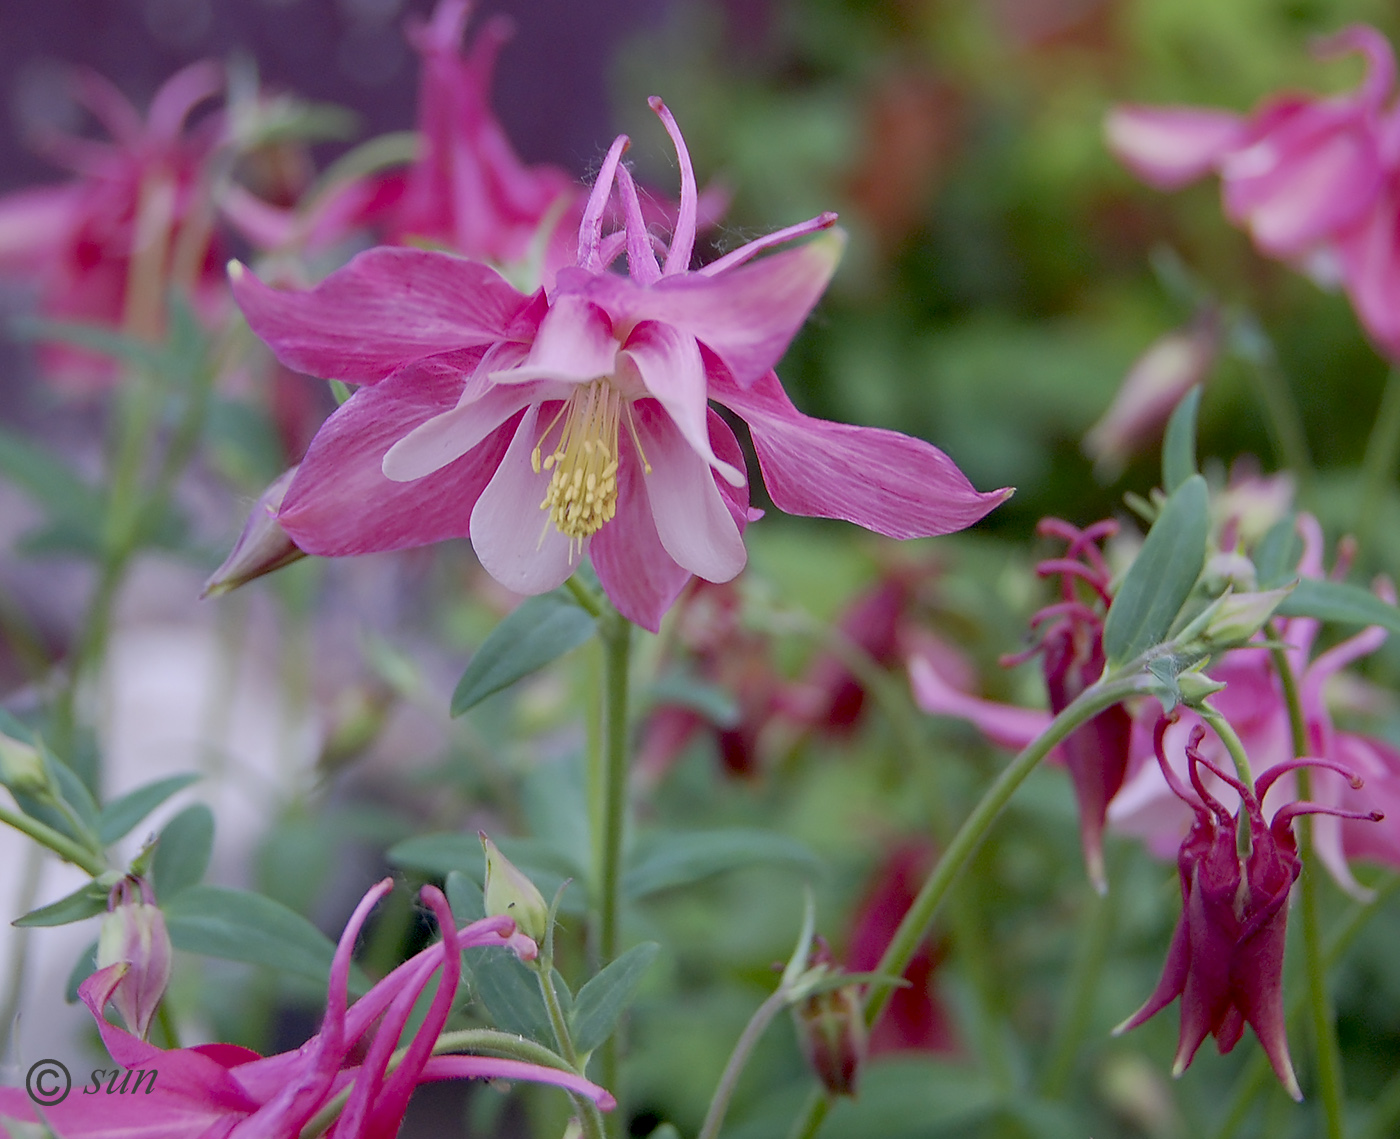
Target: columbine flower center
pixel 582 492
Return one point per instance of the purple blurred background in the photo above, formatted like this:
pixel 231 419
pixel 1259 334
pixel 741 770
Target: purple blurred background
pixel 553 78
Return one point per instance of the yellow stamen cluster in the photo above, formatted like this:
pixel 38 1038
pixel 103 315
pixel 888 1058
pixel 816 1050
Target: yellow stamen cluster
pixel 582 492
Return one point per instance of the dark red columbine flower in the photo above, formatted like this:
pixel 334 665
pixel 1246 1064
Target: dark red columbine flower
pixel 1072 657
pixel 1226 957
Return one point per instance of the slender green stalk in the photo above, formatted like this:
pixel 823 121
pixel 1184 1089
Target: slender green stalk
pixel 1378 464
pixel 60 844
pixel 915 926
pixel 1230 738
pixel 616 633
pixel 1324 1029
pixel 738 1059
pixel 19 958
pixel 1083 991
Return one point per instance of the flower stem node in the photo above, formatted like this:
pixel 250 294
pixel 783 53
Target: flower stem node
pixel 134 935
pixel 511 894
pixel 831 1028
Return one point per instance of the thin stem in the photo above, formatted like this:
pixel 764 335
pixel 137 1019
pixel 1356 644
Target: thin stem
pixel 1230 738
pixel 915 926
pixel 616 633
pixel 19 957
pixel 1328 1052
pixel 60 844
pixel 587 598
pixel 557 1020
pixel 1378 464
pixel 1084 990
pixel 738 1059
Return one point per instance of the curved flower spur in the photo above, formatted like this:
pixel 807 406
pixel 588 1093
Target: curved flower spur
pixel 1226 956
pixel 577 420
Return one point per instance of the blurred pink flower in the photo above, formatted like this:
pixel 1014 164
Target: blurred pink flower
pixel 226 1090
pixel 1226 957
pixel 577 419
pixel 105 247
pixel 1296 173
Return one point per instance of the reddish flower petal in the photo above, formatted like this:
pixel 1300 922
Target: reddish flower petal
pixel 633 567
pixel 340 502
pixel 887 482
pixel 386 308
pixel 1167 147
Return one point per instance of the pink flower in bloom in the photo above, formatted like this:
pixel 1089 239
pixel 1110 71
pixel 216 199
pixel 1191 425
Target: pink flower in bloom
pixel 1226 957
pixel 577 420
pixel 1296 172
pixel 222 1091
pixel 105 246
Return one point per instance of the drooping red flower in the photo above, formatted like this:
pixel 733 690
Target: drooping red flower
pixel 105 247
pixel 1226 956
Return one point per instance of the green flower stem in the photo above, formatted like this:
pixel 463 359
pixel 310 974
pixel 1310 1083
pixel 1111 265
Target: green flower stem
pixel 1328 1053
pixel 616 633
pixel 1255 1078
pixel 915 926
pixel 753 1032
pixel 1083 991
pixel 544 970
pixel 19 960
pixel 90 860
pixel 1228 736
pixel 1378 464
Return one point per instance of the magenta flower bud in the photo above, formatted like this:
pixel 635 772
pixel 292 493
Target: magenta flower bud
pixel 831 1030
pixel 134 935
pixel 262 547
pixel 1226 957
pixel 1154 385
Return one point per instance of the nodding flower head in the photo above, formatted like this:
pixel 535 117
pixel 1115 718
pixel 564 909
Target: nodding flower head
pixel 1070 646
pixel 1226 957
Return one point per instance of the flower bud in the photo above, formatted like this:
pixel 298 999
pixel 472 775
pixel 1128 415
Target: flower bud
pixel 509 892
pixel 262 547
pixel 134 935
pixel 1238 616
pixel 21 766
pixel 831 1030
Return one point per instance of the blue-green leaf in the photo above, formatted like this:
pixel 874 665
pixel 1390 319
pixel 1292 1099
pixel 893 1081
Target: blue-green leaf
pixel 1179 444
pixel 1341 602
pixel 677 859
pixel 121 815
pixel 1277 555
pixel 182 851
pixel 542 629
pixel 1162 576
pixel 87 901
pixel 510 993
pixel 242 926
pixel 600 1003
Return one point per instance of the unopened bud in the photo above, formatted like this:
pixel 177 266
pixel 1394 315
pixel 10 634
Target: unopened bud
pixel 134 935
pixel 21 766
pixel 1238 616
pixel 509 892
pixel 1229 571
pixel 831 1030
pixel 262 547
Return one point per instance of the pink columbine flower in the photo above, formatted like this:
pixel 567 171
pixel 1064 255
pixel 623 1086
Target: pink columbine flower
pixel 576 420
pixel 1296 173
pixel 104 247
pixel 233 1093
pixel 1226 957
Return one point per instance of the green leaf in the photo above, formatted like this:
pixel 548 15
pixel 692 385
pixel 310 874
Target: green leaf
pixel 87 901
pixel 510 993
pixel 678 859
pixel 83 968
pixel 1341 602
pixel 239 925
pixel 709 700
pixel 1162 576
pixel 70 503
pixel 182 852
pixel 120 816
pixel 465 898
pixel 539 631
pixel 439 854
pixel 1277 555
pixel 600 1003
pixel 1179 445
